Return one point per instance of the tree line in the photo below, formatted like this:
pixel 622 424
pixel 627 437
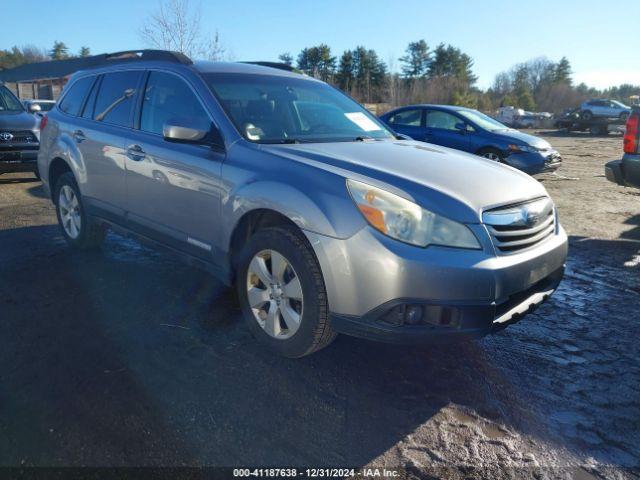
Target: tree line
pixel 441 75
pixel 445 75
pixel 17 56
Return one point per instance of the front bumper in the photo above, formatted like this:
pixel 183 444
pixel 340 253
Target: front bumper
pixel 367 275
pixel 625 172
pixel 534 163
pixel 18 160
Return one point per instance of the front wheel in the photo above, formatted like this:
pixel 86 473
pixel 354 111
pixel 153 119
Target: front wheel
pixel 492 154
pixel 282 293
pixel 586 115
pixel 624 116
pixel 77 228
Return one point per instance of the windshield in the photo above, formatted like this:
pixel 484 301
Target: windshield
pixel 278 109
pixel 8 102
pixel 619 104
pixel 482 120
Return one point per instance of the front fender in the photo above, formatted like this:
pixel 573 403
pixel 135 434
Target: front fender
pixel 325 214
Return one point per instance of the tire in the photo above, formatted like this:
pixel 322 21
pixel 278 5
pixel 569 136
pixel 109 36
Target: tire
pixel 36 173
pixel 624 116
pixel 88 235
pixel 284 337
pixel 586 115
pixel 492 154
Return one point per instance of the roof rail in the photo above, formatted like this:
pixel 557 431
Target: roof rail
pixel 161 55
pixel 278 65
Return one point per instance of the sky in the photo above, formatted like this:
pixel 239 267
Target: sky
pixel 600 39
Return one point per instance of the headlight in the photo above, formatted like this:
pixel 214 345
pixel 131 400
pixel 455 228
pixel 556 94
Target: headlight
pixel 403 220
pixel 523 148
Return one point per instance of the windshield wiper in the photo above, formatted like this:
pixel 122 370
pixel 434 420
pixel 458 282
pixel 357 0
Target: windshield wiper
pixel 282 141
pixel 362 138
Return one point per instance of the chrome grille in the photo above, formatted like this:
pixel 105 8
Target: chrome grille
pixel 19 136
pixel 517 227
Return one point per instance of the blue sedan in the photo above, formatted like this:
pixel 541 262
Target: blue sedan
pixel 474 132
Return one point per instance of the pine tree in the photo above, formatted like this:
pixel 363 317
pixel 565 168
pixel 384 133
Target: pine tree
pixel 416 60
pixel 59 51
pixel 317 62
pixel 286 58
pixel 562 73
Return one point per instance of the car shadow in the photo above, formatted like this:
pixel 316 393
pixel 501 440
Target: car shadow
pixel 128 357
pixel 37 191
pixel 634 233
pixel 128 346
pixel 12 180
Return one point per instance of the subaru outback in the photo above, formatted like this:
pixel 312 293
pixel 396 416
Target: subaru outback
pixel 324 220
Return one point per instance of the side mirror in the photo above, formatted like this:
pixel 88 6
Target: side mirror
pixel 461 127
pixel 34 108
pixel 182 132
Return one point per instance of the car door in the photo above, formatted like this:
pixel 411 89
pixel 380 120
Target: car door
pixel 442 128
pixel 612 109
pixel 599 108
pixel 101 134
pixel 409 122
pixel 173 189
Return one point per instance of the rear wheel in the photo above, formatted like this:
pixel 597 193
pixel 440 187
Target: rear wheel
pixel 77 227
pixel 282 293
pixel 492 154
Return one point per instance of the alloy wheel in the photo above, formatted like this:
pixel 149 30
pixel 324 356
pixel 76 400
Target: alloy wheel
pixel 69 208
pixel 492 156
pixel 275 295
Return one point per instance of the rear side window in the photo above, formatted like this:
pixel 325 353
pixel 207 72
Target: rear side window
pixel 167 99
pixel 410 118
pixel 72 101
pixel 116 97
pixel 91 100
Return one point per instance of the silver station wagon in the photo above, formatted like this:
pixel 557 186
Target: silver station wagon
pixel 324 219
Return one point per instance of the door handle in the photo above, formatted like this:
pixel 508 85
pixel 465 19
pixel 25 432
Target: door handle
pixel 78 136
pixel 135 153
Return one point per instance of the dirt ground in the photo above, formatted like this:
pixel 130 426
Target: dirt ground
pixel 129 358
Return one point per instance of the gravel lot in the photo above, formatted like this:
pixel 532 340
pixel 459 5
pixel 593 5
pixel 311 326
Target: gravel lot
pixel 129 358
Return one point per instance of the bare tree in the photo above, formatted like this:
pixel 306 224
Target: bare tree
pixel 176 26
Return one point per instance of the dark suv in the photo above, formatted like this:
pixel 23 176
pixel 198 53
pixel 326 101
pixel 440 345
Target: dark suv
pixel 19 135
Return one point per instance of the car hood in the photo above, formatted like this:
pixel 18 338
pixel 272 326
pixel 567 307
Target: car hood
pixel 522 138
pixel 448 182
pixel 18 121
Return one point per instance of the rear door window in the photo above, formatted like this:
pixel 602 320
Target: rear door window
pixel 116 98
pixel 72 101
pixel 409 118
